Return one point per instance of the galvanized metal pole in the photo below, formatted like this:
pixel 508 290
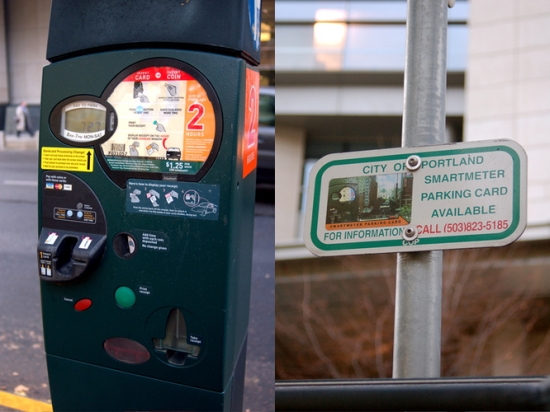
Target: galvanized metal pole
pixel 417 334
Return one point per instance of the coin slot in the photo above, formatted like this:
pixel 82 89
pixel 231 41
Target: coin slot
pixel 124 245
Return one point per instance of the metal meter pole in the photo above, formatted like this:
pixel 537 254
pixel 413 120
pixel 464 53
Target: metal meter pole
pixel 417 334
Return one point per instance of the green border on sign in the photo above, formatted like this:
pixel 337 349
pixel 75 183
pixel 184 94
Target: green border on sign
pixel 454 238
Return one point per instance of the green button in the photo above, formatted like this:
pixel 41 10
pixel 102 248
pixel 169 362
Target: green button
pixel 125 297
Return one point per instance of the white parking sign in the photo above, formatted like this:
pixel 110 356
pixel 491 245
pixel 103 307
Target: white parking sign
pixel 451 196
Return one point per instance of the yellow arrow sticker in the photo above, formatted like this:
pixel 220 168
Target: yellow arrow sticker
pixel 69 159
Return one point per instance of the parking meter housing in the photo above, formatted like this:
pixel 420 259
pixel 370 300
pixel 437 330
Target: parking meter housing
pixel 146 214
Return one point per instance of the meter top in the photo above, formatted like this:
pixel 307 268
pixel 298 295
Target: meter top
pixel 80 27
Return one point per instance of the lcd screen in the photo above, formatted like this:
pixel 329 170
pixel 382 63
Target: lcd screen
pixel 83 121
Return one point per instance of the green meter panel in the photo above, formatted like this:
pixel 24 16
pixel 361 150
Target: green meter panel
pixel 147 171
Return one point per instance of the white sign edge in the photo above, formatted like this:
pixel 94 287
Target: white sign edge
pixel 522 224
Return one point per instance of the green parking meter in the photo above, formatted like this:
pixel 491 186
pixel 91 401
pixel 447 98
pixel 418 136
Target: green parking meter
pixel 148 146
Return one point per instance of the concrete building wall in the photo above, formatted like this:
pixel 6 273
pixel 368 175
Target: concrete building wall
pixel 289 164
pixel 355 100
pixel 27 35
pixel 508 89
pixel 4 91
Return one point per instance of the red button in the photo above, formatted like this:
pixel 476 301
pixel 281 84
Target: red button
pixel 82 305
pixel 126 350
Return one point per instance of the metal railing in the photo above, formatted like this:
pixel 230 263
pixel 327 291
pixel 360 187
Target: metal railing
pixel 436 394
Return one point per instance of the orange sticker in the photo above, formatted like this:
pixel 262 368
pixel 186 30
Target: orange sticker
pixel 200 124
pixel 251 113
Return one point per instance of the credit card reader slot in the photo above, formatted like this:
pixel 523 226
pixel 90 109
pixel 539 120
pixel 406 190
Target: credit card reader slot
pixel 74 232
pixel 65 256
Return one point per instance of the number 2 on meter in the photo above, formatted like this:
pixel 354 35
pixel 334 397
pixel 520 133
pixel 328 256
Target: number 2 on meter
pixel 194 124
pixel 253 109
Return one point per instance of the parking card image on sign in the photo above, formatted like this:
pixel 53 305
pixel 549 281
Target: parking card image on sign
pixel 369 201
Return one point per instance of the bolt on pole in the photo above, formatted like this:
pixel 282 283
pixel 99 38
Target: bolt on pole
pixel 417 333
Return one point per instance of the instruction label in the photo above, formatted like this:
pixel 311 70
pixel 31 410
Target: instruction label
pixel 166 123
pixel 411 199
pixel 180 199
pixel 153 240
pixel 67 159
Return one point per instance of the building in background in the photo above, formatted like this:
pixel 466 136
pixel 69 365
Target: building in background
pixel 508 89
pixel 24 26
pixel 340 88
pixel 23 38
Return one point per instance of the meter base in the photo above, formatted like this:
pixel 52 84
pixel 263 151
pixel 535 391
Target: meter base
pixel 78 386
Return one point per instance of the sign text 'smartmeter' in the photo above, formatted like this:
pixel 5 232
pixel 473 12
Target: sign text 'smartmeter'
pixel 426 198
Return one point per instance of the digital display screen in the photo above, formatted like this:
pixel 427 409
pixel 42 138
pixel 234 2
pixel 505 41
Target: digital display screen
pixel 83 121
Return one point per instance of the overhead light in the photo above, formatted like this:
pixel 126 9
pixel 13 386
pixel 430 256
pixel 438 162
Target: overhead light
pixel 330 15
pixel 329 29
pixel 265 34
pixel 329 34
